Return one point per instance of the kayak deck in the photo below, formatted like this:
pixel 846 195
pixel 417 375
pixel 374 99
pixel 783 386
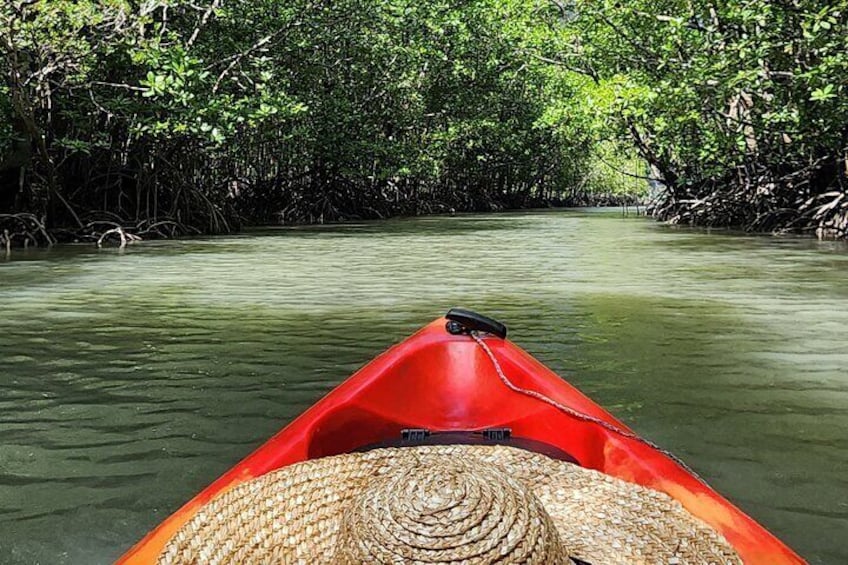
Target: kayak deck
pixel 442 382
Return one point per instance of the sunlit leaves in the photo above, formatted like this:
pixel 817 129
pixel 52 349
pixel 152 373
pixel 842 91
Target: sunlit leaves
pixel 828 92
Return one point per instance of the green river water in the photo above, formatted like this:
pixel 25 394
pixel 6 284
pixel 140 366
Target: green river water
pixel 130 380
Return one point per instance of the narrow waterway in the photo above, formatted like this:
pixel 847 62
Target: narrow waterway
pixel 130 380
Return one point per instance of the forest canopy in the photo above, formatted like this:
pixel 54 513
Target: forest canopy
pixel 165 117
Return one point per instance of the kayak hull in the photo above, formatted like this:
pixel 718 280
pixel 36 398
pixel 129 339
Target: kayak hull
pixel 443 382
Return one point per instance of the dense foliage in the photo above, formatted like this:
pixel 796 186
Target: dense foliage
pixel 739 106
pixel 168 116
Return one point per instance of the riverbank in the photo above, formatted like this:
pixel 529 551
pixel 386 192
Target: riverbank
pixel 25 230
pixel 807 201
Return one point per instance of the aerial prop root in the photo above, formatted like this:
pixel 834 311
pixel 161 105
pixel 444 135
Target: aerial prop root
pixel 125 237
pixel 23 229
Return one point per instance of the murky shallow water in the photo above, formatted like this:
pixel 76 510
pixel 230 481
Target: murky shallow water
pixel 128 381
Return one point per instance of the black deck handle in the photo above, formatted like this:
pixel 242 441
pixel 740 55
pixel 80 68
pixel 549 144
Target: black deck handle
pixel 462 320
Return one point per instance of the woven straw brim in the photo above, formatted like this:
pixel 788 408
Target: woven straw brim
pixel 304 513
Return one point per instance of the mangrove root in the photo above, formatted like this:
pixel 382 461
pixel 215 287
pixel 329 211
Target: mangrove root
pixel 125 238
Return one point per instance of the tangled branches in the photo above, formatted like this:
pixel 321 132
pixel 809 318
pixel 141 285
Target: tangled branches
pixel 808 200
pixel 23 230
pixel 26 230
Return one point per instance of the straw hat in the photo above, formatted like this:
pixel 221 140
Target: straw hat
pixel 462 504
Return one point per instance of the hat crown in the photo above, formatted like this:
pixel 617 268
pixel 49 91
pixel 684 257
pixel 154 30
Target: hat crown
pixel 438 510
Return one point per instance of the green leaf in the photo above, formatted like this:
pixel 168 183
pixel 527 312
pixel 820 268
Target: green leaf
pixel 823 94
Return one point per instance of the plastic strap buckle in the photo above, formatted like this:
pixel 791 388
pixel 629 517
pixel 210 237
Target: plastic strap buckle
pixel 497 434
pixel 414 434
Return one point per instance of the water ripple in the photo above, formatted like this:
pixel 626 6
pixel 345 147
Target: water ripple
pixel 129 381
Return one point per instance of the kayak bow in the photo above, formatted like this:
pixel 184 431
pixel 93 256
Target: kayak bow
pixel 442 380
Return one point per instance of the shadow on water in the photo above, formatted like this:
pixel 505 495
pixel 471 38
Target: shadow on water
pixel 735 412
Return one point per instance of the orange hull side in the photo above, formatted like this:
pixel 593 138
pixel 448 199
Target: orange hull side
pixel 442 382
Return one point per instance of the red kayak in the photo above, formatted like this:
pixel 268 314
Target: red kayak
pixel 458 380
